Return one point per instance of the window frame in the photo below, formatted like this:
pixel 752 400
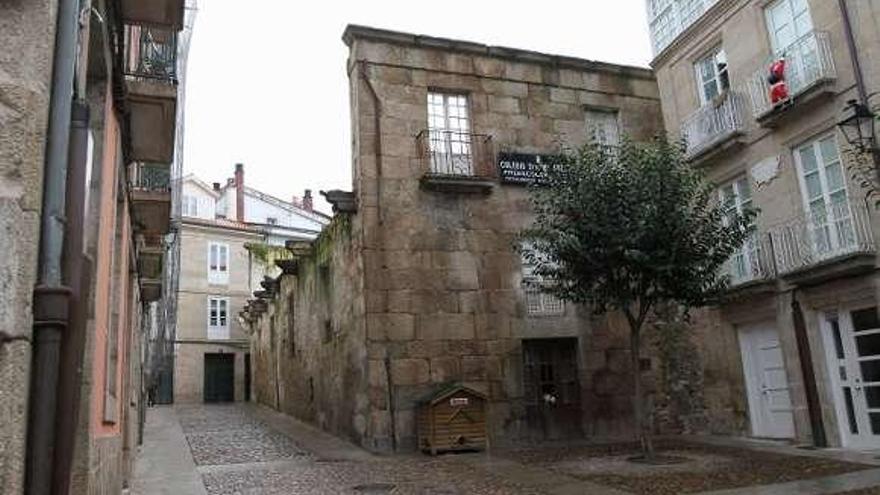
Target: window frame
pixel 451 146
pixel 190 206
pixel 748 252
pixel 594 127
pixel 220 274
pixel 721 84
pixel 537 302
pixel 220 329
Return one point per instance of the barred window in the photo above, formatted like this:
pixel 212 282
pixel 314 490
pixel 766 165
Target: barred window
pixel 538 302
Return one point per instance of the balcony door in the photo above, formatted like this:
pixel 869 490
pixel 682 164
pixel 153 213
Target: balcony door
pixel 789 24
pixel 852 344
pixel 736 197
pixel 829 218
pixel 449 134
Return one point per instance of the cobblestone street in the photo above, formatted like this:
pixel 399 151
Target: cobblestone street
pixel 244 449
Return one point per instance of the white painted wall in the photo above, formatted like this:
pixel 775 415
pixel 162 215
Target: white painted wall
pixel 205 200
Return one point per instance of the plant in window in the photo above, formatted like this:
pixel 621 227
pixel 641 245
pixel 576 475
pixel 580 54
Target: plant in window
pixel 630 230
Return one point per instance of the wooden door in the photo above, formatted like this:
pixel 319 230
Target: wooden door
pixel 219 377
pixel 553 405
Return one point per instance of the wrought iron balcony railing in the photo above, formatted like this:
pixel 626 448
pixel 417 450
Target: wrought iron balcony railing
pixel 151 53
pixel 150 177
pixel 753 262
pixel 809 61
pixel 841 230
pixel 456 153
pixel 713 123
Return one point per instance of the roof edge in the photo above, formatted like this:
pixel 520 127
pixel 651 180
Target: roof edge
pixel 354 31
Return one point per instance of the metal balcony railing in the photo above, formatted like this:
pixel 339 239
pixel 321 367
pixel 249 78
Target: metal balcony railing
pixel 843 229
pixel 150 177
pixel 753 262
pixel 809 61
pixel 713 123
pixel 150 53
pixel 456 153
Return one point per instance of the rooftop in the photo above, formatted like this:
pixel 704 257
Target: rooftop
pixel 353 32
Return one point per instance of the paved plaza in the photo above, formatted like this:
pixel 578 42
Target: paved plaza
pixel 245 449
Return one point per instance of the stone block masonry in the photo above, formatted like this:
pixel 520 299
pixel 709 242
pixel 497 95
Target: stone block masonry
pixel 421 288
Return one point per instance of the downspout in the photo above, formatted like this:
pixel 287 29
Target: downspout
pixel 811 390
pixel 853 52
pixel 51 297
pixel 78 279
pixel 377 146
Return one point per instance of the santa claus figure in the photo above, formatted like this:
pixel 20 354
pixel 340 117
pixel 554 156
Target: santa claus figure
pixel 776 79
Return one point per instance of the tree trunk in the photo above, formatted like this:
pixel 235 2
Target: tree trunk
pixel 642 427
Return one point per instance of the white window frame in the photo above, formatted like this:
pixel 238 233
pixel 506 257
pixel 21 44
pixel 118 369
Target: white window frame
pixel 603 124
pixel 538 303
pixel 218 324
pixel 837 231
pixel 743 263
pixel 218 272
pixel 720 78
pixel 449 133
pixel 190 206
pixel 795 21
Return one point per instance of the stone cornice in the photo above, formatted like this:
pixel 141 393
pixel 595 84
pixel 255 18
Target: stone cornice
pixel 715 12
pixel 355 32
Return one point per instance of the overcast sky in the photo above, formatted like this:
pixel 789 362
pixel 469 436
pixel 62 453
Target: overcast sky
pixel 267 86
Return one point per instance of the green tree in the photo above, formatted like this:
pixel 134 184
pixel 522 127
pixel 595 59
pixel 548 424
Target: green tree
pixel 627 228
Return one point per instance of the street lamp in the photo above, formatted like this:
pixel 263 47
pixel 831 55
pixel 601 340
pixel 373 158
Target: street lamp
pixel 857 127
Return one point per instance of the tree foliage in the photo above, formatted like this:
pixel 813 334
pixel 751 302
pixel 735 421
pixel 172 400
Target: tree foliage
pixel 627 227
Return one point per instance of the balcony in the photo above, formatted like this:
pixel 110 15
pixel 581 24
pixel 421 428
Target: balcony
pixel 151 82
pixel 165 13
pixel 150 193
pixel 150 258
pixel 825 245
pixel 753 264
pixel 715 126
pixel 455 161
pixel 809 71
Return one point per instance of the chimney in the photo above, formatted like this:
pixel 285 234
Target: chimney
pixel 239 192
pixel 307 200
pixel 216 186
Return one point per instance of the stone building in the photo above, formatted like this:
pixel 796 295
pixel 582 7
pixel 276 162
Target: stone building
pixel 794 351
pixel 228 235
pixel 415 283
pixel 88 131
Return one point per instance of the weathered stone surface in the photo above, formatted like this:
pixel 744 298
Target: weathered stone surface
pixel 443 326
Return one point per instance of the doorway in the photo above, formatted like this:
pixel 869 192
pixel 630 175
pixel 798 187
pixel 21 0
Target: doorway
pixel 852 345
pixel 219 377
pixel 766 379
pixel 552 391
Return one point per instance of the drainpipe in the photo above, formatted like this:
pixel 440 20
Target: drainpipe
pixel 51 297
pixel 811 390
pixel 77 277
pixel 853 52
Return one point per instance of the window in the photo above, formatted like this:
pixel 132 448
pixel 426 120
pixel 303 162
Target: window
pixel 712 76
pixel 449 135
pixel 736 198
pixel 218 263
pixel 537 301
pixel 787 21
pixel 669 18
pixel 190 206
pixel 603 127
pixel 823 186
pixel 218 318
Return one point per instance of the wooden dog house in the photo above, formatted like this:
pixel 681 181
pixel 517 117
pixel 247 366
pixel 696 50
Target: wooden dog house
pixel 453 420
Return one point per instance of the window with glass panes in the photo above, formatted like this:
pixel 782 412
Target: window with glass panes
pixel 823 186
pixel 449 135
pixel 736 198
pixel 218 263
pixel 538 302
pixel 603 126
pixel 712 76
pixel 190 206
pixel 218 318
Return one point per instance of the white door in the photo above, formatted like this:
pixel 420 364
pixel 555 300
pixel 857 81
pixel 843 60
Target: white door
pixel 852 343
pixel 766 381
